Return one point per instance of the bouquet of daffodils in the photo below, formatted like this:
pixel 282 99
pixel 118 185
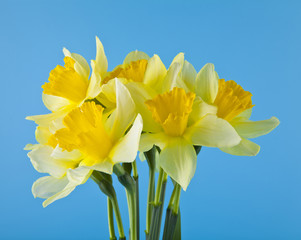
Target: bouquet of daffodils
pixel 100 119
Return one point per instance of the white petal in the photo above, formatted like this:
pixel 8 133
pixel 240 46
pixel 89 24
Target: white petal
pixel 212 131
pixel 178 160
pixel 124 113
pixel 155 71
pixel 81 66
pixel 126 150
pixel 244 148
pixel 101 62
pixel 207 83
pixel 148 140
pixel 189 75
pixel 135 56
pixel 253 129
pixel 54 103
pixel 43 162
pixel 48 186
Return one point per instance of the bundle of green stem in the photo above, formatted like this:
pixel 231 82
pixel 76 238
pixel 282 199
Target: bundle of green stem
pixel 127 175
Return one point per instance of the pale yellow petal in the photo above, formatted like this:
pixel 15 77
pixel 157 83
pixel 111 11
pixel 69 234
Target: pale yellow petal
pixel 53 188
pixel 172 79
pixel 46 187
pixel 45 119
pixel 30 146
pixel 244 148
pixel 244 115
pixel 64 193
pixel 54 103
pixel 140 94
pixel 42 134
pixel 148 140
pixel 124 113
pixel 207 83
pixel 155 71
pixel 199 110
pixel 178 59
pixel 79 175
pixel 135 56
pixel 178 160
pixel 94 84
pixel 126 149
pixel 59 153
pixel 106 166
pixel 253 129
pixel 188 75
pixel 81 66
pixel 43 162
pixel 101 62
pixel 212 131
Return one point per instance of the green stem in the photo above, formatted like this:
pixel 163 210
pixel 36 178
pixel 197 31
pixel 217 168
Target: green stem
pixel 159 187
pixel 111 220
pixel 155 226
pixel 137 206
pixel 172 198
pixel 150 199
pixel 130 186
pixel 172 225
pixel 118 217
pixel 135 171
pixel 151 161
pixel 104 181
pixel 132 213
pixel 177 199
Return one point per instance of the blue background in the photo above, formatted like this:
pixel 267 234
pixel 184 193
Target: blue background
pixel 256 43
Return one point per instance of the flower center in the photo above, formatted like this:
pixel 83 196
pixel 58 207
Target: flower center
pixel 231 99
pixel 133 71
pixel 85 131
pixel 66 82
pixel 171 110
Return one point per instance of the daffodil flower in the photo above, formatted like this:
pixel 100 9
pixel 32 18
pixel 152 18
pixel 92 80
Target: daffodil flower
pixel 141 75
pixel 183 120
pixel 234 105
pixel 89 141
pixel 71 85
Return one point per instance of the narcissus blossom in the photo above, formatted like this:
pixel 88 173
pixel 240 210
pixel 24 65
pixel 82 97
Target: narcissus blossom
pixel 234 105
pixel 71 85
pixel 88 141
pixel 182 121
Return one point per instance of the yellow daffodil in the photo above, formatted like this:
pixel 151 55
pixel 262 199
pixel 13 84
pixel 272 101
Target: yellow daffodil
pixel 71 85
pixel 89 141
pixel 233 104
pixel 181 121
pixel 142 76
